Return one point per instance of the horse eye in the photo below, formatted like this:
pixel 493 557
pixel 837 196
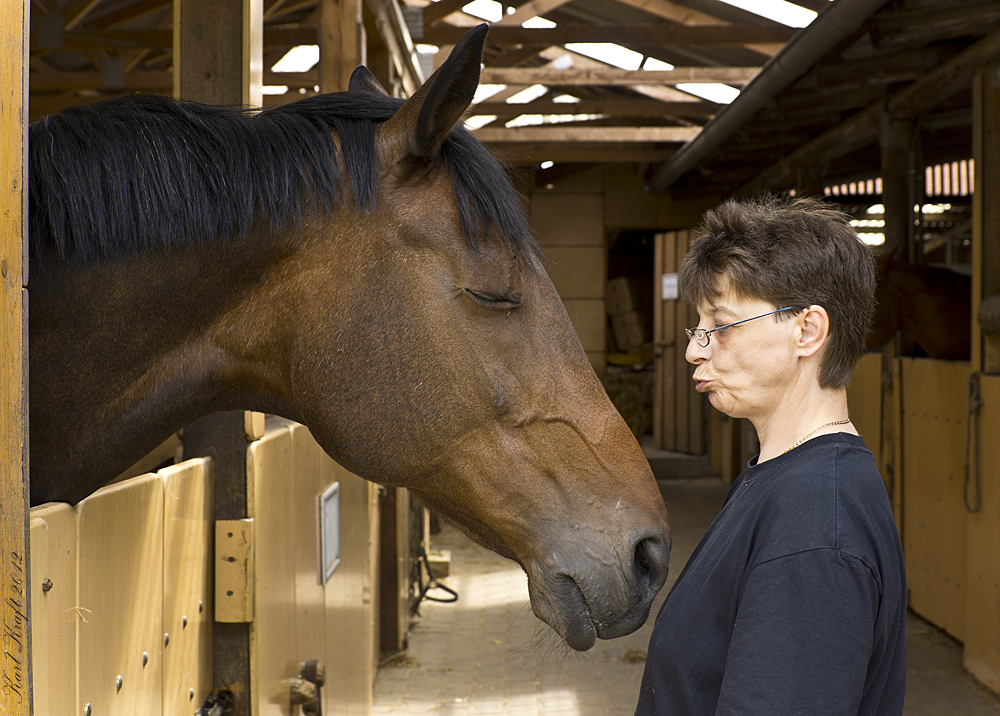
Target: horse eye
pixel 497 303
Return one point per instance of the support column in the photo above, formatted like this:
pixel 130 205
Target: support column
pixel 894 140
pixel 341 43
pixel 15 611
pixel 218 59
pixel 218 51
pixel 985 198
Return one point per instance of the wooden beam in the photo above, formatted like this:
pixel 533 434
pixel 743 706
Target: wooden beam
pixel 895 139
pixel 658 34
pixel 687 16
pixel 218 52
pixel 136 81
pixel 862 129
pixel 130 13
pixel 341 43
pixel 534 154
pixel 530 9
pixel 613 77
pixel 439 10
pixel 391 27
pixel 15 570
pixel 559 134
pixel 624 107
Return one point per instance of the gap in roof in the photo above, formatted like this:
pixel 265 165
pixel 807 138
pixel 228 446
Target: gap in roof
pixel 529 94
pixel 301 58
pixel 778 10
pixel 607 52
pixel 489 10
pixel 712 91
pixel 652 63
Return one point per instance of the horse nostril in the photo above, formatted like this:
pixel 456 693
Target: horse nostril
pixel 650 560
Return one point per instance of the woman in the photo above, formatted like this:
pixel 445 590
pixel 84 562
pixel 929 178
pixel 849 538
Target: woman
pixel 794 601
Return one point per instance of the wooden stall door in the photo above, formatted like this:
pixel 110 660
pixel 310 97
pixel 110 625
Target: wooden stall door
pixel 982 603
pixel 679 412
pixel 933 465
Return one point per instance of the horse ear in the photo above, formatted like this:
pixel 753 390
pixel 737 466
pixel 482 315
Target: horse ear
pixel 362 80
pixel 427 117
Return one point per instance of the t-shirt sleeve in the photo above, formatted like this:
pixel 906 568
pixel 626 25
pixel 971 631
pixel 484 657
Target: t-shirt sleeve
pixel 802 638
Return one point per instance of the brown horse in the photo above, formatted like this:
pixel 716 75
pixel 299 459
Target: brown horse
pixel 353 262
pixel 932 305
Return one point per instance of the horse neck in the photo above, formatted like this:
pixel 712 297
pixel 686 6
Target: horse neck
pixel 125 353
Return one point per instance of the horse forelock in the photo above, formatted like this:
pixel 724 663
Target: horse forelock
pixel 130 175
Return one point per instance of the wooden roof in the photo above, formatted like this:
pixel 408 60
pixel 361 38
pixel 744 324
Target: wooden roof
pixel 83 50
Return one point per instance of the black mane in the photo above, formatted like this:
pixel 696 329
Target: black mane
pixel 128 175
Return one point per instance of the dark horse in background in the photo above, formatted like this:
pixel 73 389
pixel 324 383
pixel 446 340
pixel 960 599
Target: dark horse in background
pixel 930 304
pixel 359 264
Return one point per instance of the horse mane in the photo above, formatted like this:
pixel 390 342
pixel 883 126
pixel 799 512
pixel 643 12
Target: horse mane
pixel 129 175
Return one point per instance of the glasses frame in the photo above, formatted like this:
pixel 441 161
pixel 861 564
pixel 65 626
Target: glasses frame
pixel 698 333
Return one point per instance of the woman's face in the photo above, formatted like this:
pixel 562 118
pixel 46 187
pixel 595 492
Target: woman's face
pixel 746 369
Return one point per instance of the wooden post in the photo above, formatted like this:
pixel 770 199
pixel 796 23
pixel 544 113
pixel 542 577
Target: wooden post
pixel 218 59
pixel 218 51
pixel 15 611
pixel 341 43
pixel 985 212
pixel 894 141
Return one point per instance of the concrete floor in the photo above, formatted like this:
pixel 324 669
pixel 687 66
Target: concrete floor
pixel 487 654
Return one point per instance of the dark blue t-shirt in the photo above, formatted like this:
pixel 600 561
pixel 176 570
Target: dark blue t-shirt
pixel 794 601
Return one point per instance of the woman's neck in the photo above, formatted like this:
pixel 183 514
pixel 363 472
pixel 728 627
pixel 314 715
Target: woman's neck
pixel 805 415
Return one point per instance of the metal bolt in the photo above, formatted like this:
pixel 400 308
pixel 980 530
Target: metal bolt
pixel 201 607
pixel 46 584
pixel 166 639
pixel 118 683
pixel 184 622
pixel 86 710
pixel 145 659
pixel 191 695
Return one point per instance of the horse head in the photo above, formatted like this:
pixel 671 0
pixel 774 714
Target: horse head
pixel 450 367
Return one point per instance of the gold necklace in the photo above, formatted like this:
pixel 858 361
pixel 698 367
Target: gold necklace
pixel 809 435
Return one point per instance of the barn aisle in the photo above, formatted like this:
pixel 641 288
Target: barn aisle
pixel 487 654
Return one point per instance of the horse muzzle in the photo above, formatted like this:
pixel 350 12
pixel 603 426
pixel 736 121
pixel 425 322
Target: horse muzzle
pixel 590 596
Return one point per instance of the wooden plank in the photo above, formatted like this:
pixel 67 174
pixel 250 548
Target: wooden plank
pixel 562 134
pixel 611 77
pixel 15 609
pixel 340 43
pixel 120 601
pixel 53 608
pixel 675 12
pixel 273 650
pixel 659 347
pixel 652 34
pixel 985 212
pixel 982 640
pixel 934 413
pixel 528 10
pixel 532 154
pixel 394 570
pixel 188 537
pixel 613 107
pixel 895 144
pixel 681 372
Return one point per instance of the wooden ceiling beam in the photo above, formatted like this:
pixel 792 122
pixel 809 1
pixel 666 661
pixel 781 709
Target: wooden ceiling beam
pixel 667 10
pixel 532 155
pixel 652 34
pixel 556 134
pixel 130 14
pixel 530 9
pixel 613 77
pixel 624 107
pixel 439 10
pixel 64 81
pixel 862 128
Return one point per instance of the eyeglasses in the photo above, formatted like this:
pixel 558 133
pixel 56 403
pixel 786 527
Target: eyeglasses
pixel 704 337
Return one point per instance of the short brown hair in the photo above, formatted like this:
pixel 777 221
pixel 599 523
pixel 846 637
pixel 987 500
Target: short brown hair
pixel 789 252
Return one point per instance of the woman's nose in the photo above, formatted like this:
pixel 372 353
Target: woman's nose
pixel 696 353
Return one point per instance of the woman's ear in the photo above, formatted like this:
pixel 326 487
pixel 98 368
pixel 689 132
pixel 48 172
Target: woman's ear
pixel 815 328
